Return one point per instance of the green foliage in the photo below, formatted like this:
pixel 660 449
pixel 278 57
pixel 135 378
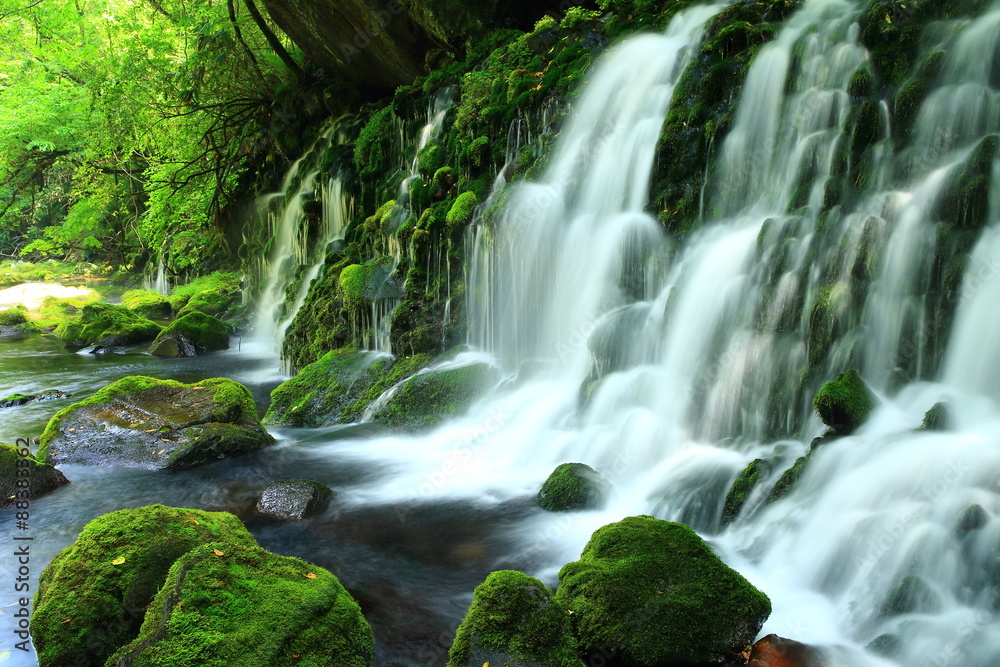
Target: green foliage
pixel 103 581
pixel 578 18
pixel 514 620
pixel 653 593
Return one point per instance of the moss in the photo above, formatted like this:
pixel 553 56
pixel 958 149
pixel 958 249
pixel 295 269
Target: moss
pixel 580 18
pixel 225 604
pixel 92 598
pixel 910 594
pixel 215 302
pixel 742 487
pixel 13 316
pixel 573 486
pixel 373 149
pixel 845 403
pixel 318 393
pixel 389 376
pixel 461 211
pixel 514 620
pixel 652 593
pixel 22 476
pixel 965 196
pixel 788 480
pixel 146 303
pixel 104 324
pixel 430 159
pixel 938 418
pixel 220 281
pixel 421 195
pixel 54 311
pixel 203 332
pixel 427 399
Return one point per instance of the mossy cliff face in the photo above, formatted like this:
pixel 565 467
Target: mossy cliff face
pixel 651 592
pixel 93 596
pixel 144 422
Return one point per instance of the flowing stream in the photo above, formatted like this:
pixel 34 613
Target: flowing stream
pixel 667 366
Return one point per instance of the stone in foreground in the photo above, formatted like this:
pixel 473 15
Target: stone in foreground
pixel 23 478
pixel 143 422
pixel 653 593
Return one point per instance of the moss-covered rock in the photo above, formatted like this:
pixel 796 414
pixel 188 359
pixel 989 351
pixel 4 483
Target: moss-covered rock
pixel 221 283
pixel 23 477
pixel 574 486
pixel 321 390
pixel 938 418
pixel 514 620
pixel 788 480
pixel 93 596
pixel 653 593
pixel 15 319
pixel 428 398
pixel 910 594
pixel 146 303
pixel 294 499
pixel 106 325
pixel 236 604
pixel 144 422
pixel 191 334
pixel 845 403
pixel 742 487
pixel 461 210
pixel 214 302
pixel 15 400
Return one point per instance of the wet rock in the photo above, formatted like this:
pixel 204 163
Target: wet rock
pixel 973 518
pixel 148 423
pixel 428 398
pixel 106 325
pixel 742 487
pixel 574 486
pixel 294 499
pixel 885 645
pixel 651 592
pixel 938 418
pixel 237 604
pixel 15 400
pixel 845 403
pixel 22 477
pixel 775 651
pixel 514 620
pixel 190 335
pixel 102 583
pixel 910 595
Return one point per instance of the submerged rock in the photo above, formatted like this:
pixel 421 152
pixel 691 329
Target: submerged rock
pixel 148 423
pixel 938 418
pixel 106 325
pixel 190 335
pixel 910 594
pixel 93 596
pixel 237 604
pixel 22 477
pixel 845 403
pixel 15 400
pixel 652 592
pixel 514 620
pixel 742 487
pixel 574 486
pixel 294 499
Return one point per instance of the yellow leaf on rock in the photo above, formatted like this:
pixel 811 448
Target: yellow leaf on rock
pixel 218 553
pixel 310 576
pixel 118 561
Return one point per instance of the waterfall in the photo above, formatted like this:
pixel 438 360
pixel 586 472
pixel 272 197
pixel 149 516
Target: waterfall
pixel 159 282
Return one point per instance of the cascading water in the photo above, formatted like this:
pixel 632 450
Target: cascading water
pixel 669 369
pixel 159 282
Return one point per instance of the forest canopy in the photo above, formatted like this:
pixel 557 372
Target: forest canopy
pixel 128 126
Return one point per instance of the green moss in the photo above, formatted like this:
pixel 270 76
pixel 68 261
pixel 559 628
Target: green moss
pixel 788 480
pixel 421 195
pixel 461 211
pixel 742 487
pixel 514 620
pixel 104 324
pixel 203 332
pixel 146 303
pixel 13 316
pixel 938 418
pixel 220 281
pixel 427 399
pixel 373 149
pixel 573 486
pixel 225 604
pixel 17 464
pixel 910 594
pixel 92 598
pixel 430 159
pixel 845 403
pixel 54 311
pixel 580 18
pixel 653 593
pixel 965 196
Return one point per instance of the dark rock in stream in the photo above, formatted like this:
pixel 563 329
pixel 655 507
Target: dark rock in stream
pixel 148 423
pixel 294 499
pixel 17 465
pixel 15 400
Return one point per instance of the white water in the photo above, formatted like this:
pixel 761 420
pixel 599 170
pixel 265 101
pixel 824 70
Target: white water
pixel 701 348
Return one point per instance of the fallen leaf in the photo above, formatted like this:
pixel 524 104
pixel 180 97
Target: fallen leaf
pixel 164 439
pixel 160 452
pixel 150 430
pixel 118 561
pixel 133 425
pixel 71 428
pixel 310 576
pixel 218 553
pixel 66 621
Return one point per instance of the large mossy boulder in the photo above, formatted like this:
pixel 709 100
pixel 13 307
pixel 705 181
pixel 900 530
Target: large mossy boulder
pixel 215 302
pixel 319 392
pixel 514 620
pixel 190 335
pixel 23 477
pixel 653 593
pixel 574 486
pixel 428 398
pixel 148 423
pixel 106 325
pixel 146 303
pixel 236 604
pixel 93 596
pixel 294 499
pixel 845 403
